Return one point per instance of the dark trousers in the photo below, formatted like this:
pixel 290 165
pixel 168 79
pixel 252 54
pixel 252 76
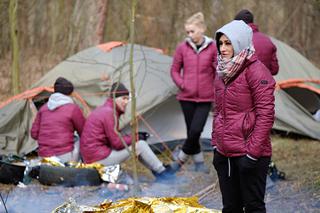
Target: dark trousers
pixel 242 183
pixel 195 115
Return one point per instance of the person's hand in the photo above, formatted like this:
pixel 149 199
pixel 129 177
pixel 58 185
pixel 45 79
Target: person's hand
pixel 143 136
pixel 247 163
pixel 214 149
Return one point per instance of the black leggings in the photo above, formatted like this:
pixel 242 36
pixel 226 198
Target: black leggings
pixel 195 115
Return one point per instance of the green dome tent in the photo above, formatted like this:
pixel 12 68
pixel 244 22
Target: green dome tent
pixel 297 94
pixel 92 71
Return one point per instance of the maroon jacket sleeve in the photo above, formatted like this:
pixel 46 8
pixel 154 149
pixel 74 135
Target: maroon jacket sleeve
pixel 176 67
pixel 262 87
pixel 213 136
pixel 78 119
pixel 113 138
pixel 215 114
pixel 274 61
pixel 36 126
pixel 215 61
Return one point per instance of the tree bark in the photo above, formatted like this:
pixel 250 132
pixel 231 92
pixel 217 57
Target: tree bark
pixel 133 96
pixel 102 15
pixel 15 78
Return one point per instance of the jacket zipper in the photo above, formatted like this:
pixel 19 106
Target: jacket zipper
pixel 198 73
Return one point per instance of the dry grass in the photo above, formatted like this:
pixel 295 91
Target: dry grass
pixel 299 160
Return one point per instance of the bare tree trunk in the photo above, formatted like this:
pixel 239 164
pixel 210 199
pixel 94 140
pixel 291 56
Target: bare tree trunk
pixel 102 15
pixel 173 30
pixel 133 95
pixel 15 78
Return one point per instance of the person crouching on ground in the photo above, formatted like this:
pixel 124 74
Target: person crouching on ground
pixel 243 118
pixel 56 122
pixel 100 142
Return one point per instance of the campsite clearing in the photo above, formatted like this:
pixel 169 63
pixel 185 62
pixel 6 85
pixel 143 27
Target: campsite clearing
pixel 299 193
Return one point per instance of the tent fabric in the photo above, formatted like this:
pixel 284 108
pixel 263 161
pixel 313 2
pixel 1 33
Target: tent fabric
pixel 16 117
pixel 26 95
pixel 15 123
pixel 294 114
pixel 93 70
pixel 292 64
pixel 289 111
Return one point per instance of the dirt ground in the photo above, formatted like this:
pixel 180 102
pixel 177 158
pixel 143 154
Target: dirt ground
pixel 300 192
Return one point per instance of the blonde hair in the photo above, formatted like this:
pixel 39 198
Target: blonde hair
pixel 196 19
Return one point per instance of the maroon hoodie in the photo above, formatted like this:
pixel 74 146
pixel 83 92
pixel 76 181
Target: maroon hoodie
pixel 54 127
pixel 265 49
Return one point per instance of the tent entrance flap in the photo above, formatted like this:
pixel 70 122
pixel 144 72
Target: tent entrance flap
pixel 305 97
pixel 41 99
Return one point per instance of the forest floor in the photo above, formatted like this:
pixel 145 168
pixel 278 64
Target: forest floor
pixel 300 192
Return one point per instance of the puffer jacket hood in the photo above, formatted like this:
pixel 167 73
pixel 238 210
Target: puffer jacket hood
pixel 58 99
pixel 206 42
pixel 238 32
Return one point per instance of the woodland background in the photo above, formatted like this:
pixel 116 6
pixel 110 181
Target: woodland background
pixel 48 31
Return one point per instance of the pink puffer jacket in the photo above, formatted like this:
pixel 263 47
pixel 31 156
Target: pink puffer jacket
pixel 194 73
pixel 244 112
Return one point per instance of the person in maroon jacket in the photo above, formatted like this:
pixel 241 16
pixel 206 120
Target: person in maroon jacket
pixel 56 122
pixel 193 72
pixel 265 49
pixel 243 118
pixel 101 141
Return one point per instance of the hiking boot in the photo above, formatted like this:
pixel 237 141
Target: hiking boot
pixel 175 153
pixel 175 166
pixel 167 174
pixel 201 167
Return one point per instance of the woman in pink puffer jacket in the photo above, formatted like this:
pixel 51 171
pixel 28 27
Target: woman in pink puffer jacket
pixel 193 72
pixel 243 118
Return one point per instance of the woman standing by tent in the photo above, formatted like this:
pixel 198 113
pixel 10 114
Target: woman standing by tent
pixel 243 119
pixel 193 72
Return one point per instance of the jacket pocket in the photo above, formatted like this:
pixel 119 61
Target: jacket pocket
pixel 248 124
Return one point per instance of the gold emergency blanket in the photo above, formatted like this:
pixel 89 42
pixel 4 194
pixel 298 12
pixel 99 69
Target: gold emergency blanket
pixel 140 205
